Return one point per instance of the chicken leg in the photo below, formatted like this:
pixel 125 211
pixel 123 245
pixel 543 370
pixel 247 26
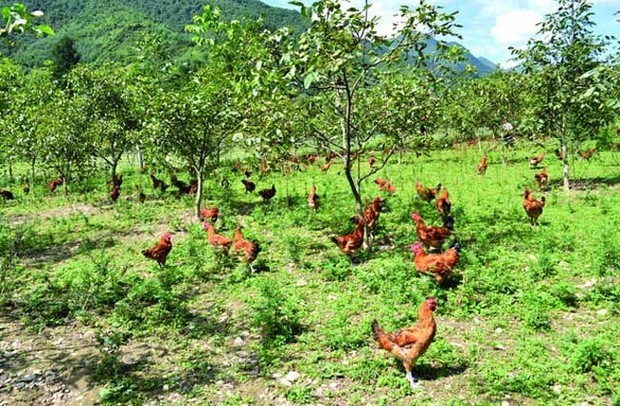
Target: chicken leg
pixel 414 384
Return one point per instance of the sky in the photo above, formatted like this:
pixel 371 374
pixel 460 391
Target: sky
pixel 491 26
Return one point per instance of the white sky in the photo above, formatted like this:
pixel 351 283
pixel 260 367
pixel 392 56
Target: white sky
pixel 491 26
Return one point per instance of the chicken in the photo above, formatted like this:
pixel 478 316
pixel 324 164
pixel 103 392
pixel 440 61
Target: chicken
pixel 193 188
pixel 533 207
pixel 140 196
pixel 267 194
pixel 443 204
pixel 371 161
pixel 249 185
pixel 432 236
pixel 350 243
pixel 587 154
pixel 559 154
pixel 246 250
pixel 115 193
pixel 535 161
pixel 541 178
pixel 218 241
pixel 117 180
pixel 26 188
pixel 328 165
pixel 183 187
pixel 439 265
pixel 409 344
pixel 210 213
pixel 385 185
pixel 158 184
pixel 160 251
pixel 6 194
pixel 482 166
pixel 427 194
pixel 313 199
pixel 371 214
pixel 54 183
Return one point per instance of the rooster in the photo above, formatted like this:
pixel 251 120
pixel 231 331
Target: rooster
pixel 267 194
pixel 482 166
pixel 313 199
pixel 249 185
pixel 443 204
pixel 216 240
pixel 533 207
pixel 160 251
pixel 409 344
pixel 350 243
pixel 210 213
pixel 383 184
pixel 427 194
pixel 246 250
pixel 432 236
pixel 439 265
pixel 535 161
pixel 541 178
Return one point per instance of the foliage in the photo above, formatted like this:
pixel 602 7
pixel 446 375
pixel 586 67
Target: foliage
pixel 16 18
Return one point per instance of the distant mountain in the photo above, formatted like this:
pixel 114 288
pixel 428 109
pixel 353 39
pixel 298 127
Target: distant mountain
pixel 112 30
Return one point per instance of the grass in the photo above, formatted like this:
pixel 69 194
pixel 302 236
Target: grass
pixel 531 317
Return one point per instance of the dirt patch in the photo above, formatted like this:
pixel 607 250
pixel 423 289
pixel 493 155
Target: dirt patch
pixel 65 211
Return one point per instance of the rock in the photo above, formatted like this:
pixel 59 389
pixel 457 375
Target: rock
pixel 499 330
pixel 238 342
pixel 19 385
pixel 601 312
pixel 292 376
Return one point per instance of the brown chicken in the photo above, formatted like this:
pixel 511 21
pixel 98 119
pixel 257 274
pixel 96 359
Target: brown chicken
pixel 533 207
pixel 383 184
pixel 210 213
pixel 438 265
pixel 559 154
pixel 443 204
pixel 246 250
pixel 535 161
pixel 158 184
pixel 587 154
pixel 117 180
pixel 160 251
pixel 115 193
pixel 432 236
pixel 371 161
pixel 482 166
pixel 313 199
pixel 541 178
pixel 249 185
pixel 371 214
pixel 409 344
pixel 427 194
pixel 54 183
pixel 217 240
pixel 328 165
pixel 140 196
pixel 183 187
pixel 267 194
pixel 350 243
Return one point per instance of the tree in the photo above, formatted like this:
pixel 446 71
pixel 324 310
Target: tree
pixel 341 57
pixel 559 59
pixel 66 57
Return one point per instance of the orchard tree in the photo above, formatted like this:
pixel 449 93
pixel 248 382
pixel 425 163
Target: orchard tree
pixel 560 58
pixel 342 56
pixel 17 19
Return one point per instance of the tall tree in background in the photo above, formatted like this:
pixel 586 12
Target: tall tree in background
pixel 560 58
pixel 66 57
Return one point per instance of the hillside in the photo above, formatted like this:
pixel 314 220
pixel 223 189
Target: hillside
pixel 113 30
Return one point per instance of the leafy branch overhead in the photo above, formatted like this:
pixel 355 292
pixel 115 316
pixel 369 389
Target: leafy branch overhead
pixel 17 19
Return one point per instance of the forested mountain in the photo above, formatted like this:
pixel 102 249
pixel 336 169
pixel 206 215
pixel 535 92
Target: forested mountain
pixel 113 30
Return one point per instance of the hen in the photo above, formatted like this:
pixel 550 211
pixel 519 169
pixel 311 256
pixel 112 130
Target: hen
pixel 115 193
pixel 139 194
pixel 432 236
pixel 541 178
pixel 438 265
pixel 313 199
pixel 160 251
pixel 533 207
pixel 54 183
pixel 158 184
pixel 350 243
pixel 443 204
pixel 427 194
pixel 246 250
pixel 183 187
pixel 587 154
pixel 410 343
pixel 267 194
pixel 328 165
pixel 210 213
pixel 371 214
pixel 385 185
pixel 249 185
pixel 559 154
pixel 6 194
pixel 216 240
pixel 535 161
pixel 482 166
pixel 371 161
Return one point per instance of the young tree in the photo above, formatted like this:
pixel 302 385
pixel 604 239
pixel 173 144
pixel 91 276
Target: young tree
pixel 342 56
pixel 66 57
pixel 559 60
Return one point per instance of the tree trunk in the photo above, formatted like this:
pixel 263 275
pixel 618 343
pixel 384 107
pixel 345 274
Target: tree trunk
pixel 566 173
pixel 140 158
pixel 32 169
pixel 10 172
pixel 198 192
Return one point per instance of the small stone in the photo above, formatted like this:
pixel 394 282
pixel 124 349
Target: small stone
pixel 238 342
pixel 19 385
pixel 505 403
pixel 301 282
pixel 499 330
pixel 602 312
pixel 292 376
pixel 499 347
pixel 166 388
pixel 557 388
